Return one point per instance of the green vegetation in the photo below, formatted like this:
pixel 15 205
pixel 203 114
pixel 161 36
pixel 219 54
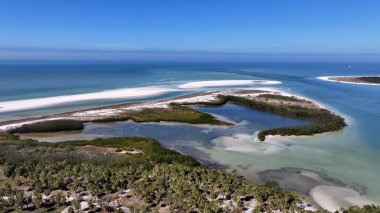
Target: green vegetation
pixel 175 113
pixel 49 126
pixel 204 190
pixel 364 209
pixel 157 178
pixel 150 147
pixel 322 119
pixel 278 97
pixel 375 80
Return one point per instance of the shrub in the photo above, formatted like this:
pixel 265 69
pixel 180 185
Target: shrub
pixel 49 126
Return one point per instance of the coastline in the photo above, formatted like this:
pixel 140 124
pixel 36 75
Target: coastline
pixel 123 93
pixel 93 114
pixel 329 78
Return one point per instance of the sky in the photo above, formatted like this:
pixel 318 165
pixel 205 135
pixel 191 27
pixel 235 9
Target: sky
pixel 135 29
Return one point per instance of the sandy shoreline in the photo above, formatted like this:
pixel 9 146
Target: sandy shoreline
pixel 123 93
pixel 347 80
pixel 109 94
pixel 123 109
pixel 228 143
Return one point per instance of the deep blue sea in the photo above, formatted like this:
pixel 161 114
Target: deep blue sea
pixel 334 169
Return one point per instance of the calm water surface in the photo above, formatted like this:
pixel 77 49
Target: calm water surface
pixel 341 167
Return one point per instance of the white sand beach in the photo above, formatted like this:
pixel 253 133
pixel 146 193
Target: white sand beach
pixel 109 111
pixel 108 94
pixel 125 93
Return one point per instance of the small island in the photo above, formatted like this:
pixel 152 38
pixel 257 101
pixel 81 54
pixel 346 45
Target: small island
pixel 367 80
pixel 179 109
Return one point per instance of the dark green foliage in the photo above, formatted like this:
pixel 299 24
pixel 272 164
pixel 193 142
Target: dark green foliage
pixel 274 197
pixel 112 119
pixel 164 177
pixel 181 185
pixel 47 172
pixel 49 126
pixel 279 97
pixel 190 188
pixel 175 113
pixel 150 147
pixel 375 80
pixel 9 136
pixel 364 209
pixel 323 120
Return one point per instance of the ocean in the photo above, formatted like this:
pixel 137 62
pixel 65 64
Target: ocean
pixel 335 169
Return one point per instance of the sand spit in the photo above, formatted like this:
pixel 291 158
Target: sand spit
pixel 109 94
pixel 125 109
pixel 124 93
pixel 348 80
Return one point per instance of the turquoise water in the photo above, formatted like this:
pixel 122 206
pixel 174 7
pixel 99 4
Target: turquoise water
pixel 348 159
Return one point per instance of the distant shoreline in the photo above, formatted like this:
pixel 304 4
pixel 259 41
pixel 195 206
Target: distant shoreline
pixel 364 80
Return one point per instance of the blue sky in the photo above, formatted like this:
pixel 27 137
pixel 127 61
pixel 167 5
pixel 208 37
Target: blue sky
pixel 217 26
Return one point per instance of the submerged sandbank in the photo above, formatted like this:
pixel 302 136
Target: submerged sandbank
pixel 334 198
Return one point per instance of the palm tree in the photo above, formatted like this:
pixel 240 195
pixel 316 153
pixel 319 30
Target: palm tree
pixel 20 199
pixel 37 200
pixel 76 204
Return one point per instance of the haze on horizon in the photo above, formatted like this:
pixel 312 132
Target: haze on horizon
pixel 190 30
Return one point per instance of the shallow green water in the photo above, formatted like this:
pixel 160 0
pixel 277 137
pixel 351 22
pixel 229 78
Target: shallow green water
pixel 344 165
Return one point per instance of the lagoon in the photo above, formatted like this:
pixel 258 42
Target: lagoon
pixel 343 164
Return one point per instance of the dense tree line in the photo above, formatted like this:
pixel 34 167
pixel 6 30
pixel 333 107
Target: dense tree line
pixel 177 181
pixel 49 126
pixel 182 185
pixel 205 190
pixel 279 97
pixel 176 113
pixel 375 80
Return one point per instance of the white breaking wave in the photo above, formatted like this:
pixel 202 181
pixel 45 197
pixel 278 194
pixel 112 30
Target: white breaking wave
pixel 103 95
pixel 216 83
